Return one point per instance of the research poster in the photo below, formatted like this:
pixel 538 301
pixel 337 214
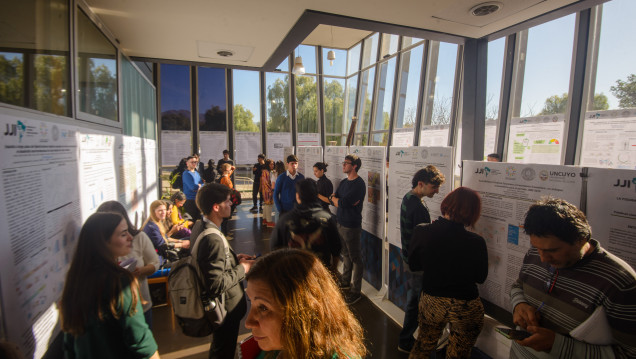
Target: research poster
pixel 307 157
pixel 308 139
pixel 98 177
pixel 175 145
pixel 536 139
pixel 490 137
pixel 434 136
pixel 403 137
pixel 373 172
pixel 611 210
pixel 403 163
pixel 609 139
pixel 212 144
pixel 276 143
pixel 40 221
pixel 151 179
pixel 334 156
pixel 507 191
pixel 248 146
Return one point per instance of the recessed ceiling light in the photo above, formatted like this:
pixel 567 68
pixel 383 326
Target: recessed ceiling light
pixel 486 8
pixel 225 53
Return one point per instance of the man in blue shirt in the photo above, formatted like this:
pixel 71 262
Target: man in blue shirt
pixel 349 198
pixel 191 183
pixel 285 187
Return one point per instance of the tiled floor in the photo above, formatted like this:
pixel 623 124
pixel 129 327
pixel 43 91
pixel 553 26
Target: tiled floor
pixel 249 236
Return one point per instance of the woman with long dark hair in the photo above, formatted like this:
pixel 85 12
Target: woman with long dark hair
pixel 453 260
pixel 325 187
pixel 101 312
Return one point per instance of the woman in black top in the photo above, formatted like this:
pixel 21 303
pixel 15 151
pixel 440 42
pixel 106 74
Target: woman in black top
pixel 325 187
pixel 453 260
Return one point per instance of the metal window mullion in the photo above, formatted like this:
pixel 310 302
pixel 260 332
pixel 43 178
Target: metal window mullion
pixel 394 99
pixel 292 106
pixel 321 92
pixel 229 119
pixel 457 92
pixel 423 91
pixel 194 109
pixel 261 77
pixel 506 94
pixel 516 84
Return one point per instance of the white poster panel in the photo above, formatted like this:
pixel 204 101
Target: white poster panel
pixel 334 156
pixel 130 172
pixel 403 163
pixel 212 145
pixel 307 156
pixel 276 143
pixel 609 139
pixel 434 136
pixel 175 145
pixel 151 179
pixel 40 221
pixel 373 172
pixel 403 137
pixel 611 210
pixel 490 137
pixel 308 139
pixel 248 146
pixel 286 152
pixel 98 179
pixel 536 139
pixel 507 191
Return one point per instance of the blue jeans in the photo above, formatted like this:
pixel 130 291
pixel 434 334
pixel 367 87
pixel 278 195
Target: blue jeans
pixel 407 340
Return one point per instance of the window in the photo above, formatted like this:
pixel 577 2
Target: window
pixel 336 67
pixel 308 53
pixel 277 87
pixel 366 93
pixel 370 50
pixel 212 112
pixel 139 112
pixel 384 100
pixel 176 139
pixel 96 70
pixel 389 45
pixel 307 106
pixel 496 52
pixel 408 91
pixel 247 116
pixel 334 98
pixel 353 59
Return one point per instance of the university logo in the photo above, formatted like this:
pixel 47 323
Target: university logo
pixel 625 183
pixel 17 129
pixel 528 173
pixel 543 175
pixel 400 153
pixel 484 171
pixel 511 171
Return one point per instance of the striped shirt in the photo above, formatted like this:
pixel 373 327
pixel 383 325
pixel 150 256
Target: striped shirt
pixel 599 279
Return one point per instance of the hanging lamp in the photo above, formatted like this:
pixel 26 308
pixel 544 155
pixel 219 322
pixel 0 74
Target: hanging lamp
pixel 331 55
pixel 298 68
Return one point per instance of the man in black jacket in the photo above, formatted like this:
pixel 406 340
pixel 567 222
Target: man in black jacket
pixel 257 170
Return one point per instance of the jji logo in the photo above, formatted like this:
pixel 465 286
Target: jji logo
pixel 16 130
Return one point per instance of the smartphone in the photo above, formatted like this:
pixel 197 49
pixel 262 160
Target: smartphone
pixel 513 334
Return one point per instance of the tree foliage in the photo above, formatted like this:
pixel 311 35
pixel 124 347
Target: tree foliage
pixel 559 104
pixel 213 120
pixel 625 92
pixel 11 80
pixel 243 119
pixel 306 104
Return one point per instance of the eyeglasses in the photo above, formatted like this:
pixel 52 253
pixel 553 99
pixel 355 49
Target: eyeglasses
pixel 551 282
pixel 346 163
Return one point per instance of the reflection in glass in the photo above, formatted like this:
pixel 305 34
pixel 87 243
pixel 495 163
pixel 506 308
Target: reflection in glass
pixel 366 92
pixel 370 53
pixel 389 45
pixel 443 83
pixel 96 70
pixel 353 59
pixel 139 111
pixel 385 95
pixel 546 79
pixel 277 86
pixel 334 97
pixel 350 98
pixel 379 139
pixel 308 53
pixel 247 114
pixel 175 97
pixel 212 111
pixel 496 50
pixel 409 87
pixel 34 55
pixel 408 41
pixel 306 104
pixel 339 64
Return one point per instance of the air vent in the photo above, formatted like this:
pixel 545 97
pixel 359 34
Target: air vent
pixel 225 53
pixel 486 8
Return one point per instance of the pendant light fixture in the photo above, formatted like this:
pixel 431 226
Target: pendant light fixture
pixel 298 68
pixel 331 55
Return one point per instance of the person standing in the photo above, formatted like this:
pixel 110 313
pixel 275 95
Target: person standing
pixel 566 279
pixel 325 187
pixel 257 171
pixel 349 198
pixel 425 183
pixel 191 183
pixel 285 188
pixel 222 270
pixel 224 160
pixel 267 189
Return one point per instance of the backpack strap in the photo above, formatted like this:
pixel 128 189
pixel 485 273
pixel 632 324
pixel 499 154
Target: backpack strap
pixel 195 250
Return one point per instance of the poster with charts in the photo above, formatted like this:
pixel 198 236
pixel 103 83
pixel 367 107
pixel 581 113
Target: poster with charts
pixel 98 177
pixel 507 191
pixel 212 145
pixel 373 172
pixel 40 219
pixel 611 210
pixel 334 156
pixel 404 162
pixel 175 145
pixel 609 139
pixel 307 156
pixel 276 143
pixel 308 139
pixel 536 139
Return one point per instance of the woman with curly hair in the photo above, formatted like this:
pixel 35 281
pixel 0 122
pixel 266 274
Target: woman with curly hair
pixel 101 312
pixel 297 310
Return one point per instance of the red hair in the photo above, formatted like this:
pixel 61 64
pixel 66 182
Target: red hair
pixel 462 205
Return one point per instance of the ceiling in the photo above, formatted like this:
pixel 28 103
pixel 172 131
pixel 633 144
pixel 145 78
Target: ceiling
pixel 261 32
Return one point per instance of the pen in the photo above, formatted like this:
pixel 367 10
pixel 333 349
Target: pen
pixel 540 307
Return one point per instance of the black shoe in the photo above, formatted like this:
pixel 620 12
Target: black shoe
pixel 253 209
pixel 353 298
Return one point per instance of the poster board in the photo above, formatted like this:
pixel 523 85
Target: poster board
pixel 609 139
pixel 507 191
pixel 611 210
pixel 276 143
pixel 403 163
pixel 175 145
pixel 403 137
pixel 248 147
pixel 434 135
pixel 307 156
pixel 373 172
pixel 536 139
pixel 308 139
pixel 212 144
pixel 334 156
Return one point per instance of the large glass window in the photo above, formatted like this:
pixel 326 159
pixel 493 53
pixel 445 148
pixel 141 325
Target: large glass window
pixel 278 114
pixel 306 104
pixel 350 102
pixel 353 59
pixel 443 83
pixel 370 50
pixel 408 91
pixel 34 55
pixel 139 112
pixel 386 82
pixel 366 94
pixel 176 139
pixel 389 45
pixel 212 112
pixel 308 53
pixel 409 41
pixel 334 99
pixel 96 70
pixel 247 116
pixel 337 67
pixel 496 52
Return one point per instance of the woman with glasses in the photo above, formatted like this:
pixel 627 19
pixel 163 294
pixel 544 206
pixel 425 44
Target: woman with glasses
pixel 453 260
